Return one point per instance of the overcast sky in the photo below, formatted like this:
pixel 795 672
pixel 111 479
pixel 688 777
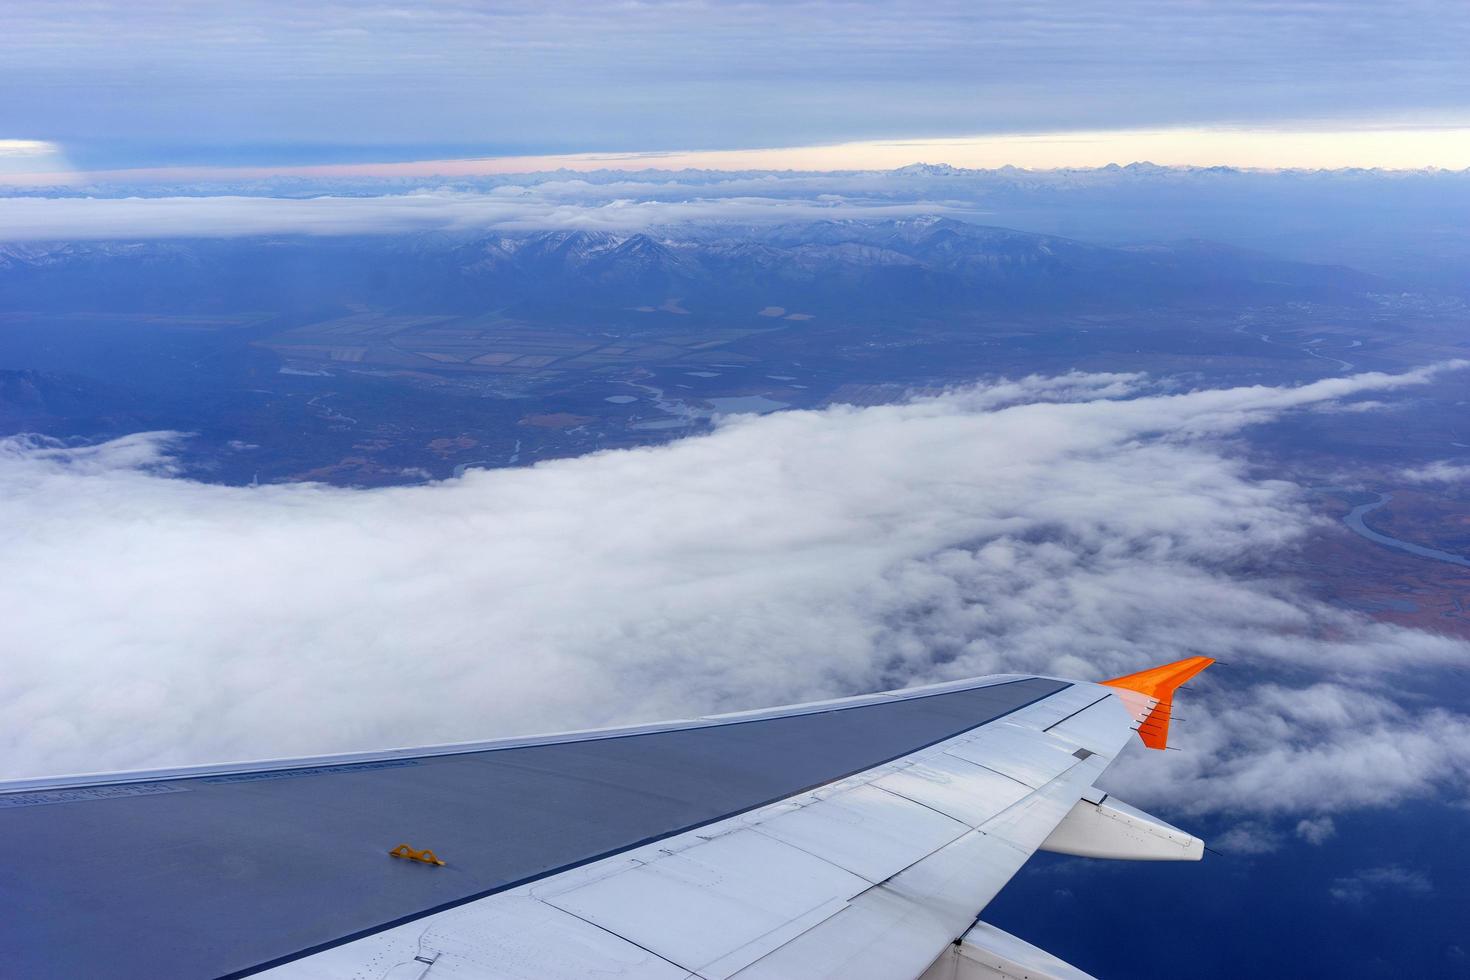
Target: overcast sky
pixel 148 83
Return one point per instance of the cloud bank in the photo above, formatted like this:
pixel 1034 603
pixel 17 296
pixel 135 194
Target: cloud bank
pixel 507 208
pixel 1084 525
pixel 1440 471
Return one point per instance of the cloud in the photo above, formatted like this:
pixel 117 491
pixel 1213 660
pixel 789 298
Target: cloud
pixel 29 156
pixel 1276 750
pixel 513 209
pixel 1142 203
pixel 1317 831
pixel 1441 471
pixel 1364 145
pixel 1084 525
pixel 1250 838
pixel 1363 885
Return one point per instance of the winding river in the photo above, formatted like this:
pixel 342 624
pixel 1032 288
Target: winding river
pixel 1354 520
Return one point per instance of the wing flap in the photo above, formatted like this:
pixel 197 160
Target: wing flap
pixel 1110 828
pixel 988 953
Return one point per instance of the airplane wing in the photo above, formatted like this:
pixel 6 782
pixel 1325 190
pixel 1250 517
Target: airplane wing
pixel 852 838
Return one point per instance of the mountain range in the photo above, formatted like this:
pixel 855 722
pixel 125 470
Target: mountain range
pixel 924 264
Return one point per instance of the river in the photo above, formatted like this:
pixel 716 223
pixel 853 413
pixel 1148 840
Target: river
pixel 1354 520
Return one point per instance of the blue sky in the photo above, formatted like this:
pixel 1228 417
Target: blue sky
pixel 261 81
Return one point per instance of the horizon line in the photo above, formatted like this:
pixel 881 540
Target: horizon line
pixel 1400 148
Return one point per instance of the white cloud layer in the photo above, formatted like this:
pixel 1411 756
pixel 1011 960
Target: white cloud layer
pixel 1083 526
pixel 1440 471
pixel 1394 880
pixel 507 208
pixel 1316 831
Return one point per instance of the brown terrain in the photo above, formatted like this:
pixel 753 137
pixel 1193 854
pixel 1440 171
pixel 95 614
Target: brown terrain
pixel 488 344
pixel 1430 519
pixel 1347 570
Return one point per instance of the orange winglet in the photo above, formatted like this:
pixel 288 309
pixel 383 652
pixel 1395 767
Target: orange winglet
pixel 1151 694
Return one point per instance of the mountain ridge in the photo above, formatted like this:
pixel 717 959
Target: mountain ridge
pixel 919 263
